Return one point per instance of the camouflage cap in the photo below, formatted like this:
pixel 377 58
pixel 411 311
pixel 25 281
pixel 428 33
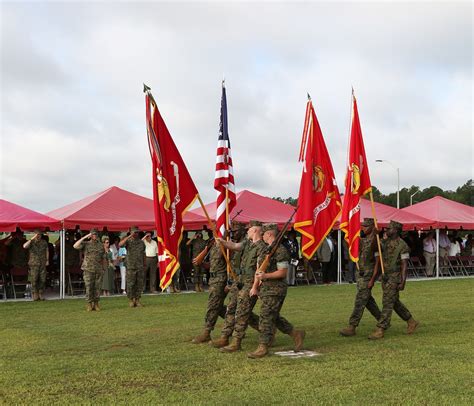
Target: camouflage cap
pixel 395 224
pixel 255 223
pixel 37 231
pixel 94 231
pixel 368 222
pixel 105 237
pixel 134 229
pixel 269 227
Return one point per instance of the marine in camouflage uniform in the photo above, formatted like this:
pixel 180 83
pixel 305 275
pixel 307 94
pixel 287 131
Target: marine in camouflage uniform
pixel 251 249
pixel 18 256
pixel 395 253
pixel 217 293
pixel 233 293
pixel 271 287
pixel 39 257
pixel 198 244
pixel 366 264
pixel 135 261
pixel 93 267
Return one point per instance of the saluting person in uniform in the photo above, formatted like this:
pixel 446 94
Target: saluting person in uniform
pixel 38 261
pixel 135 262
pixel 93 267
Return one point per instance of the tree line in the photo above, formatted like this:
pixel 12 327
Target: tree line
pixel 463 194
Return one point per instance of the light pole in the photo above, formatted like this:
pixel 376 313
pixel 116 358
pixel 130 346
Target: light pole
pixel 411 196
pixel 398 178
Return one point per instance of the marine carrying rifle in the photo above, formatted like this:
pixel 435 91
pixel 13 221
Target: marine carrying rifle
pixel 266 262
pixel 200 257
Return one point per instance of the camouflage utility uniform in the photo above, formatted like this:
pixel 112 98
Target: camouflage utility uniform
pixel 364 296
pixel 229 320
pixel 393 251
pixel 217 284
pixel 197 246
pixel 135 267
pixel 93 266
pixel 37 263
pixel 245 303
pixel 272 295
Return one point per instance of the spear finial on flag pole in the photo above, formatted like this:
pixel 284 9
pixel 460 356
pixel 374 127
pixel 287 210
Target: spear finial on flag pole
pixel 309 97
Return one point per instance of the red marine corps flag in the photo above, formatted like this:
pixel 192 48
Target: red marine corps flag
pixel 173 190
pixel 319 203
pixel 357 185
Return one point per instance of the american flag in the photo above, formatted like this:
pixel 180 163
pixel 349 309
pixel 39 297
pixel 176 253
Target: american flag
pixel 224 178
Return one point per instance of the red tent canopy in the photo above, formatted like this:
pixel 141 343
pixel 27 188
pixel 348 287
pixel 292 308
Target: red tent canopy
pixel 257 207
pixel 444 213
pixel 116 209
pixel 386 213
pixel 13 216
pixel 254 207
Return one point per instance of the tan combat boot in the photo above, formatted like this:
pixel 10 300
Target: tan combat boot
pixel 260 352
pixel 138 303
pixel 377 334
pixel 233 346
pixel 35 297
pixel 298 337
pixel 222 341
pixel 177 290
pixel 200 288
pixel 204 337
pixel 89 307
pixel 40 295
pixel 348 331
pixel 96 307
pixel 412 325
pixel 196 287
pixel 131 303
pixel 173 290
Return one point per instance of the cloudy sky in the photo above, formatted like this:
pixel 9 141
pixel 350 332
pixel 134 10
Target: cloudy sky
pixel 73 111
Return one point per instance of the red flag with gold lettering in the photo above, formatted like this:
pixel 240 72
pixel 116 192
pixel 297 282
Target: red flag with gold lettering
pixel 319 203
pixel 173 190
pixel 357 185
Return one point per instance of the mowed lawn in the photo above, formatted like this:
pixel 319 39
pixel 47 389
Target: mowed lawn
pixel 55 352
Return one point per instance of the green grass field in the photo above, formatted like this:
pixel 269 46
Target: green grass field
pixel 55 353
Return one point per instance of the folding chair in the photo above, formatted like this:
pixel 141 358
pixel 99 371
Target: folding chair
pixel 75 281
pixel 467 264
pixel 19 279
pixel 301 274
pixel 411 269
pixel 455 266
pixel 3 286
pixel 444 268
pixel 417 267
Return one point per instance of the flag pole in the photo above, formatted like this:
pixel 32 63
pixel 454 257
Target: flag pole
pixel 227 226
pixel 213 228
pixel 376 232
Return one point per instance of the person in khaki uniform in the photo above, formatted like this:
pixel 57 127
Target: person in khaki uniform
pixel 395 253
pixel 93 267
pixel 38 261
pixel 271 287
pixel 366 265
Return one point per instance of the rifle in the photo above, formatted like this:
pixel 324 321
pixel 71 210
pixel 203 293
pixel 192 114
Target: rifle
pixel 266 262
pixel 200 257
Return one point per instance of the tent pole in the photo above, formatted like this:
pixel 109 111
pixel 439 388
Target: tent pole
pixel 62 274
pixel 437 253
pixel 339 257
